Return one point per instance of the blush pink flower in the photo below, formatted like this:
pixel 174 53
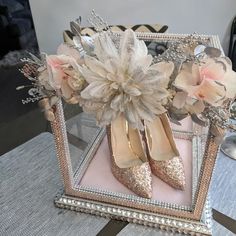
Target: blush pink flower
pixel 213 81
pixel 65 49
pixel 64 76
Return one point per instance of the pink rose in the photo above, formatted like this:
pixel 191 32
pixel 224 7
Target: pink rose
pixel 63 74
pixel 212 81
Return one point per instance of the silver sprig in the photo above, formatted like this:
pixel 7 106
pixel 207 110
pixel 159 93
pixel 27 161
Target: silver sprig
pixel 98 22
pixel 177 51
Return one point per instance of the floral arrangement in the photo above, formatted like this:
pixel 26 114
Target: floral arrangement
pixel 108 77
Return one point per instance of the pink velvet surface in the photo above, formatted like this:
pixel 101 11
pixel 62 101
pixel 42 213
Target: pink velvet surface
pixel 99 176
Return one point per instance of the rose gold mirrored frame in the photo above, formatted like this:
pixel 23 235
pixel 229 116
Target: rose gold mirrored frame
pixel 208 162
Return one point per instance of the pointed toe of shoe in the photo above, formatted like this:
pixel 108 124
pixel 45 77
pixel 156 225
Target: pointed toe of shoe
pixel 170 171
pixel 146 193
pixel 138 179
pixel 142 185
pixel 141 180
pixel 179 182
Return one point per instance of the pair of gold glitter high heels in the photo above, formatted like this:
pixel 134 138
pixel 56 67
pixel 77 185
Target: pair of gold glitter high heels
pixel 132 165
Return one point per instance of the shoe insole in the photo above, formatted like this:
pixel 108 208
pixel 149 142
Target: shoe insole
pixel 122 151
pixel 159 144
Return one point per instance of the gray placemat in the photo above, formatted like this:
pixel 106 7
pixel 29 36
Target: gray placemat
pixel 30 179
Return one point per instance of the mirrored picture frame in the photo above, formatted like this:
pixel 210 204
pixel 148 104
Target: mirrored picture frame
pixel 192 218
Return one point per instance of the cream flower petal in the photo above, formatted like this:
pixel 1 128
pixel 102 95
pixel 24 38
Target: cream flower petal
pixel 148 91
pixel 145 62
pixel 91 106
pixel 166 68
pixel 184 80
pixel 96 66
pixel 106 115
pixel 127 50
pixel 143 111
pixel 113 78
pixel 96 89
pixel 180 99
pixel 132 90
pixel 66 90
pixel 138 75
pixel 153 105
pixel 162 93
pixel 152 76
pixel 160 109
pixel 141 49
pixel 75 83
pixel 139 57
pixel 130 46
pixel 111 65
pixel 104 47
pixel 127 44
pixel 132 116
pixel 117 103
pixel 194 70
pixel 90 76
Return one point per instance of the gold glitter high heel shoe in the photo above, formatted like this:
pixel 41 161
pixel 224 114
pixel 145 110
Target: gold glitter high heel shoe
pixel 129 162
pixel 163 154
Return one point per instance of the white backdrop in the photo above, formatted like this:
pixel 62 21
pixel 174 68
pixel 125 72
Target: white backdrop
pixel 51 17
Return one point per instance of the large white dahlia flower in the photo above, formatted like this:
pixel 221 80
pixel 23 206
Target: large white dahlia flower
pixel 124 81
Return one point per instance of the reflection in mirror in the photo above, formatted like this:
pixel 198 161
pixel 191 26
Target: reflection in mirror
pixel 81 131
pixel 156 48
